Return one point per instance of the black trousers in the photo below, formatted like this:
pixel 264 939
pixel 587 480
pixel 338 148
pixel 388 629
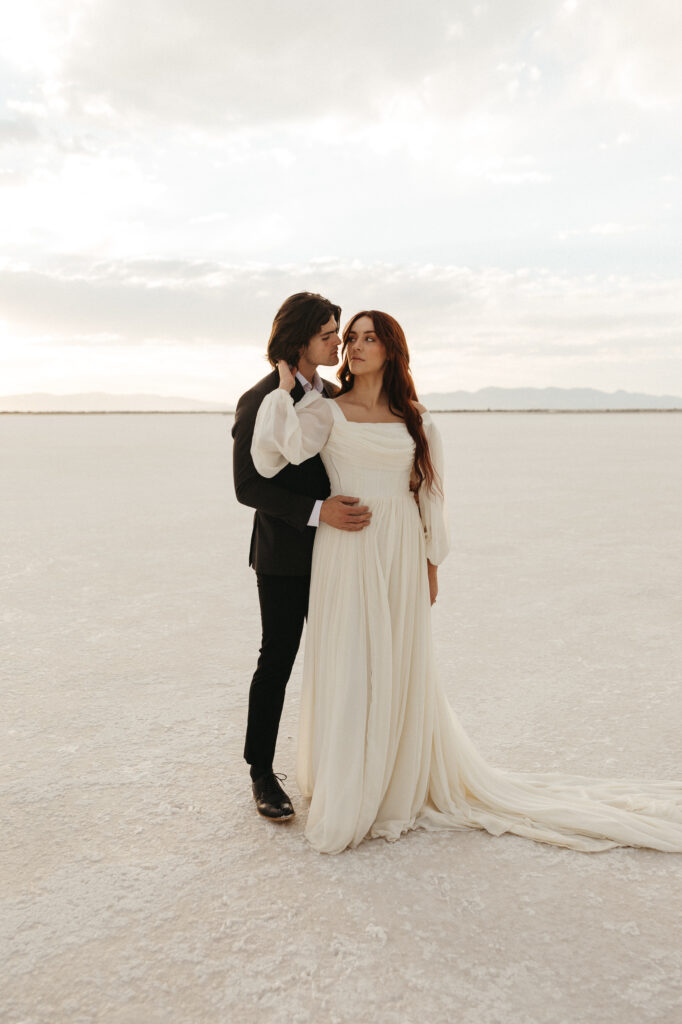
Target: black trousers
pixel 283 609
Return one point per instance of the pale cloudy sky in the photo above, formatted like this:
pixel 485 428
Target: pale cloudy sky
pixel 504 177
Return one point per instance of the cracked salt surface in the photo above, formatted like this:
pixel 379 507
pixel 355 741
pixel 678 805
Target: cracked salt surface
pixel 138 884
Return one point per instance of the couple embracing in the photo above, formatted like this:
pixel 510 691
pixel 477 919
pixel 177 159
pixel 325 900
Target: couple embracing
pixel 349 528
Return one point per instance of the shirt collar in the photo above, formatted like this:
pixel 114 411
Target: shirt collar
pixel 307 386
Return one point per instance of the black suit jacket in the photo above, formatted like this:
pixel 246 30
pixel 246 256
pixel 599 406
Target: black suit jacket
pixel 281 540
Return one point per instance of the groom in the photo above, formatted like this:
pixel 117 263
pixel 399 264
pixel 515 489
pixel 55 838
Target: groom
pixel 289 507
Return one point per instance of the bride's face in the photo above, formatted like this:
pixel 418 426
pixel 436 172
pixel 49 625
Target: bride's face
pixel 366 354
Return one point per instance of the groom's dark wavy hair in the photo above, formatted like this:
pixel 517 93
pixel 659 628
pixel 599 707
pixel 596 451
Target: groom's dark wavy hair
pixel 297 320
pixel 398 385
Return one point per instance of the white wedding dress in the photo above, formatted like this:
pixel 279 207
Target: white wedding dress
pixel 380 749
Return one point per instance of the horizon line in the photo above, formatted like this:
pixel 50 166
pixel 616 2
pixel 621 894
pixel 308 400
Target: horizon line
pixel 231 412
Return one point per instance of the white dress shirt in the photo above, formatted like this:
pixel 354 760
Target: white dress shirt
pixel 307 386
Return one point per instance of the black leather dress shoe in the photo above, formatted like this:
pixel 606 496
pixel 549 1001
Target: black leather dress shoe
pixel 271 800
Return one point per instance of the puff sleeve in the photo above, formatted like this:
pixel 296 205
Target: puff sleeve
pixel 286 433
pixel 432 504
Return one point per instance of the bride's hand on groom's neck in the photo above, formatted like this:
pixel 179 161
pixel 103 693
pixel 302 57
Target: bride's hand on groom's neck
pixel 287 377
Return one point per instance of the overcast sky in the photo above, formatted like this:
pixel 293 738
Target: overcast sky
pixel 503 177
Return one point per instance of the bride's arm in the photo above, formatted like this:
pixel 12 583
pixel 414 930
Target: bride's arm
pixel 286 433
pixel 432 505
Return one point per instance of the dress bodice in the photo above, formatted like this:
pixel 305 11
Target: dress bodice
pixel 368 460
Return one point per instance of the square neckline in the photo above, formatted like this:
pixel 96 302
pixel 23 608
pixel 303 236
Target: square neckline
pixel 366 423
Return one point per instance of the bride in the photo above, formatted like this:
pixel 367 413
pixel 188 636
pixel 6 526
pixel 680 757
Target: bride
pixel 380 749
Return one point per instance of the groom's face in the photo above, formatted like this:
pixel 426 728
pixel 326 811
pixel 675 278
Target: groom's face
pixel 323 347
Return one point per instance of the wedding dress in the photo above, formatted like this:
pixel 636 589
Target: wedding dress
pixel 380 749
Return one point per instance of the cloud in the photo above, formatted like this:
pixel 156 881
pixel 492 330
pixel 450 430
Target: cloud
pixel 209 302
pixel 18 130
pixel 149 325
pixel 223 64
pixel 607 230
pixel 227 63
pixel 171 172
pixel 226 128
pixel 230 63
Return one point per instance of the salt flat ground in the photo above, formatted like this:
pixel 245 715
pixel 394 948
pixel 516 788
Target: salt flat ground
pixel 138 885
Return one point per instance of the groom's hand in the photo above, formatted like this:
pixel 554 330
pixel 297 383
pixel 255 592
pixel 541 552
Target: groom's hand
pixel 344 513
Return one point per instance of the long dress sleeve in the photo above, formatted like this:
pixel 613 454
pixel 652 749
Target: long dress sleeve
pixel 286 433
pixel 432 504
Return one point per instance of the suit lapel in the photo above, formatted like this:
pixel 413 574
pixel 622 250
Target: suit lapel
pixel 297 391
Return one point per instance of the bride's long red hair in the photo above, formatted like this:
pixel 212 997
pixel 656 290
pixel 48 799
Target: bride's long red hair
pixel 398 385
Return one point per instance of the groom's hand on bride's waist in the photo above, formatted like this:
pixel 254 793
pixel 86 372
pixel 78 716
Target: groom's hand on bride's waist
pixel 345 513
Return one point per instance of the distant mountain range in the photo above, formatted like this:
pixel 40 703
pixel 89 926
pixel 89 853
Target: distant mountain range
pixel 568 399
pixel 101 401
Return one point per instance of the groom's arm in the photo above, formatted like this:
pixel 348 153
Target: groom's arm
pixel 253 489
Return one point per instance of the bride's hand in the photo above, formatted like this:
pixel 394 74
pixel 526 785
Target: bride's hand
pixel 433 581
pixel 286 375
